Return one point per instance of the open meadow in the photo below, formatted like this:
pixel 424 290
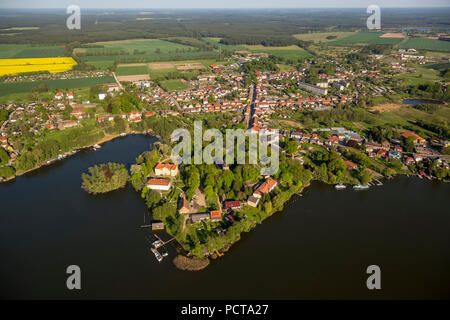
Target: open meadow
pixel 103 54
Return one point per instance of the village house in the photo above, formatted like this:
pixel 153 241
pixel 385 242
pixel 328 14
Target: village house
pixel 134 116
pixel 78 112
pixel 215 215
pixel 67 124
pixel 265 187
pixel 415 137
pixel 253 201
pixel 350 165
pixel 232 205
pixel 158 184
pixel 183 205
pixel 198 217
pixel 166 169
pixel 59 95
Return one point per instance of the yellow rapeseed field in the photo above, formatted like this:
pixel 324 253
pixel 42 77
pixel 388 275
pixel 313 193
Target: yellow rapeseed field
pixel 52 65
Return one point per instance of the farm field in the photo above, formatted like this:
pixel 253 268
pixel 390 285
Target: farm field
pixel 288 52
pixel 426 44
pixel 24 87
pixel 322 36
pixel 52 65
pixel 124 70
pixel 140 50
pixel 20 28
pixel 365 38
pixel 162 69
pixel 17 51
pixel 171 85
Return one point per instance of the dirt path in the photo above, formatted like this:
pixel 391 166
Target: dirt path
pixel 118 83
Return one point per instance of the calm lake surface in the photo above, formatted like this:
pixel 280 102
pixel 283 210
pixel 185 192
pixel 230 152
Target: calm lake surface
pixel 415 102
pixel 318 247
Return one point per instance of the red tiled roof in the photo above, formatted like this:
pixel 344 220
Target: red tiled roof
pixel 158 182
pixel 215 214
pixel 169 166
pixel 266 186
pixel 232 204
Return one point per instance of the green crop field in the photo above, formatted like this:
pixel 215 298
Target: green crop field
pixel 171 85
pixel 287 52
pixel 16 51
pixel 131 70
pixel 427 44
pixel 23 87
pixel 365 38
pixel 104 62
pixel 146 45
pixel 129 51
pixel 322 36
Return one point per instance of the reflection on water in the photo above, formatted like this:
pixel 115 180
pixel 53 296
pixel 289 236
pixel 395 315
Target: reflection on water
pixel 318 247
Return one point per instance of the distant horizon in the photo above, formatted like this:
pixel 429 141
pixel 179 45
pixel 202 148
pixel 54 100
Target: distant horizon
pixel 224 8
pixel 214 4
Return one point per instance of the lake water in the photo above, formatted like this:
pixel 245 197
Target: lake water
pixel 415 102
pixel 318 247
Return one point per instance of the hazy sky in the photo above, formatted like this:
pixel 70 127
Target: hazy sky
pixel 218 4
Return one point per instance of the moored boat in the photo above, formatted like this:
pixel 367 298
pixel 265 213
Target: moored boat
pixel 340 186
pixel 157 255
pixel 360 187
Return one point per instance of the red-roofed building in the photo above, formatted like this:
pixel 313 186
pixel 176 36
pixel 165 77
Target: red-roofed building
pixel 265 187
pixel 215 215
pixel 166 169
pixel 234 205
pixel 417 138
pixel 350 164
pixel 158 184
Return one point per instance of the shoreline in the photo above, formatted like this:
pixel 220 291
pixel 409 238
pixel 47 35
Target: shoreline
pixel 215 256
pixel 101 141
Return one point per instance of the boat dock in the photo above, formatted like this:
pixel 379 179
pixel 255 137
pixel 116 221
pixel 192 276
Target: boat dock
pixel 159 244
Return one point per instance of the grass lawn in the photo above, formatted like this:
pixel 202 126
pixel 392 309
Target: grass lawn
pixel 422 75
pixel 171 85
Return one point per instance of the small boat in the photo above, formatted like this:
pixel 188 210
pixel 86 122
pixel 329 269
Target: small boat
pixel 97 146
pixel 123 134
pixel 157 255
pixel 164 252
pixel 340 186
pixel 360 187
pixel 157 243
